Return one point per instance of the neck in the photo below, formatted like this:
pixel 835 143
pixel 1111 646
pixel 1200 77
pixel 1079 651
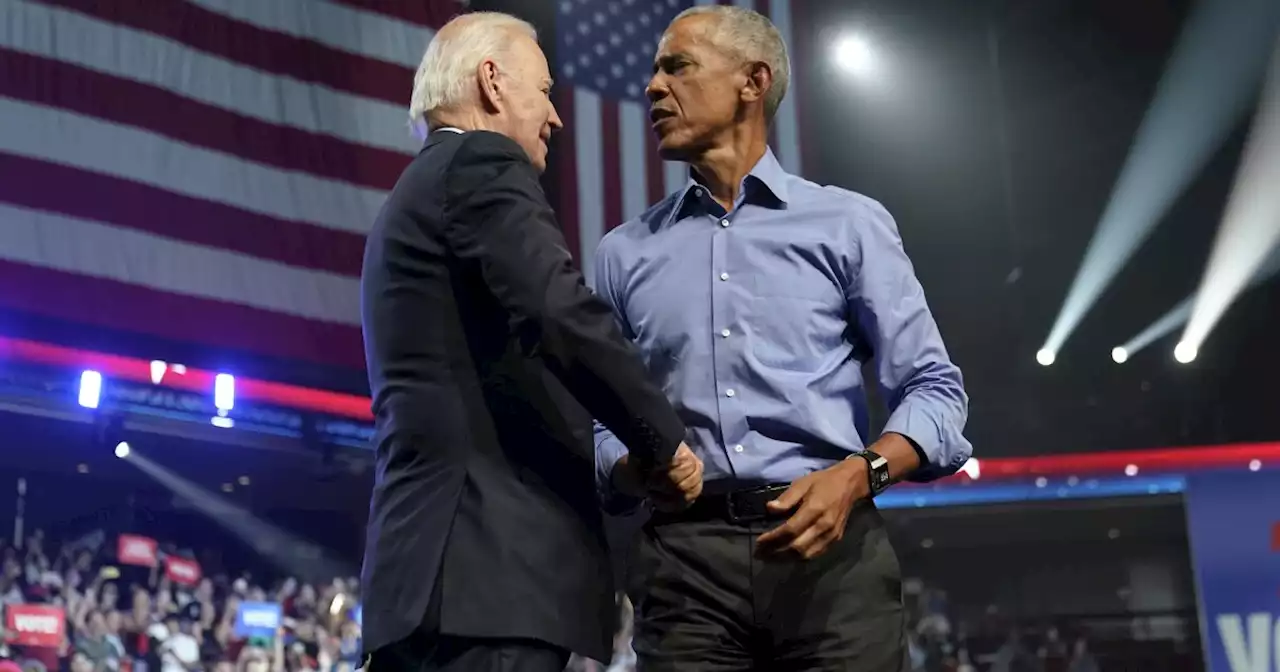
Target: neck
pixel 722 168
pixel 464 120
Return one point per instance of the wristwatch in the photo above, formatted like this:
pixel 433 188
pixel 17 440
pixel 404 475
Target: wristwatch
pixel 877 471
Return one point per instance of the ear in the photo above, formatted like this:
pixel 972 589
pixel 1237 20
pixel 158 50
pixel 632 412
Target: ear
pixel 759 81
pixel 491 93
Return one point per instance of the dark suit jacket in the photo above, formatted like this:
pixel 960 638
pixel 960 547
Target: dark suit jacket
pixel 481 340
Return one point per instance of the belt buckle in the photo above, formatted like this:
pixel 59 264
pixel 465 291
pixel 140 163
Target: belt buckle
pixel 734 517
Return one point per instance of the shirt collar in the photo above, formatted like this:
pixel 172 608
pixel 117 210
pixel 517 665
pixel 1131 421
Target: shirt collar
pixel 766 181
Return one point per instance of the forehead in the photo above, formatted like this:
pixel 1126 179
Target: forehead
pixel 689 35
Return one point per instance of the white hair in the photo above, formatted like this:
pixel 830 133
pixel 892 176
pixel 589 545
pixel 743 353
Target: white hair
pixel 446 75
pixel 749 36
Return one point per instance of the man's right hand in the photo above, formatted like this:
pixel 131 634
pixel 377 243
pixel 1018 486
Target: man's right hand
pixel 671 488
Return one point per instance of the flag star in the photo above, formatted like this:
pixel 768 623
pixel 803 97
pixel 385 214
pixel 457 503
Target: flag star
pixel 614 8
pixel 568 69
pixel 600 49
pixel 566 7
pixel 644 19
pixel 633 91
pixel 615 39
pixel 672 3
pixel 568 39
pixel 629 27
pixel 583 27
pixel 600 18
pixel 601 81
pixel 617 70
pixel 584 60
pixel 631 58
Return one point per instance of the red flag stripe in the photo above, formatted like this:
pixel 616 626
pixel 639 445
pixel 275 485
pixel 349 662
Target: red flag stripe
pixel 567 162
pixel 655 177
pixel 266 50
pixel 40 185
pixel 115 305
pixel 58 84
pixel 611 149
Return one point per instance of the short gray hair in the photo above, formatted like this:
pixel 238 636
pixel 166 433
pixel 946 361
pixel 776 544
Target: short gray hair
pixel 750 36
pixel 445 77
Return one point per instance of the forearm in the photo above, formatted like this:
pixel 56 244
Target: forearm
pixel 930 420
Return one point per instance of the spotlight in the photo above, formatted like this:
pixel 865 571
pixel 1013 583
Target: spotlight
pixel 1131 470
pixel 1119 355
pixel 854 55
pixel 1045 357
pixel 1185 352
pixel 122 449
pixel 224 392
pixel 1255 465
pixel 90 389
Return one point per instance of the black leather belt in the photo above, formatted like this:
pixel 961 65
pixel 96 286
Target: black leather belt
pixel 738 506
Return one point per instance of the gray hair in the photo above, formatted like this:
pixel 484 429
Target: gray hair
pixel 446 75
pixel 749 36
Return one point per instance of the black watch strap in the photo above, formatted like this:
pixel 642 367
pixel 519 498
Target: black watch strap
pixel 877 471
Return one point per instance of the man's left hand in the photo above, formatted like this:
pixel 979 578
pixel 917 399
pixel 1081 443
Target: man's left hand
pixel 821 502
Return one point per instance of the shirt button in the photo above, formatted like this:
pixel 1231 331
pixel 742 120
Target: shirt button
pixel 737 448
pixel 729 393
pixel 724 223
pixel 724 333
pixel 697 192
pixel 724 276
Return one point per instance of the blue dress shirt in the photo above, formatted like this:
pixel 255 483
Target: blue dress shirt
pixel 756 322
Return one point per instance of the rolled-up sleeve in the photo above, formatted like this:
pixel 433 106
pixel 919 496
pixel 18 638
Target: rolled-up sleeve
pixel 923 389
pixel 608 448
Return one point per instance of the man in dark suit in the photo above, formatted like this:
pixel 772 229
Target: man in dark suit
pixel 485 545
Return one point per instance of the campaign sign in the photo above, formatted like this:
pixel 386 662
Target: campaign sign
pixel 182 570
pixel 257 619
pixel 136 550
pixel 35 625
pixel 1234 527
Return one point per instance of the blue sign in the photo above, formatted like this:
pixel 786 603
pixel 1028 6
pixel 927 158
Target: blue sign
pixel 1234 528
pixel 257 619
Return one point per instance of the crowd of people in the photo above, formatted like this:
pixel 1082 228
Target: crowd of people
pixel 121 618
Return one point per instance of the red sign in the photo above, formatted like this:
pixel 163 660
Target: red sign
pixel 33 625
pixel 136 550
pixel 182 570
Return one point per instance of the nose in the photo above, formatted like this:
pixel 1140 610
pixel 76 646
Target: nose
pixel 555 122
pixel 656 89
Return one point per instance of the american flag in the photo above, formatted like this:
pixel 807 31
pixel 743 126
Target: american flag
pixel 203 171
pixel 609 167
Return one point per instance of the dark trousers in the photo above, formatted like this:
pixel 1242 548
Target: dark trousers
pixel 424 653
pixel 427 650
pixel 704 602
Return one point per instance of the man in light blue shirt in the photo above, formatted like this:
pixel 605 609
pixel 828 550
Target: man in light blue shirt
pixel 755 296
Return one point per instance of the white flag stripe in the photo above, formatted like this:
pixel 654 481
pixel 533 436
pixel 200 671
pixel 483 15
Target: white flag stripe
pixel 674 175
pixel 332 24
pixel 632 126
pixel 590 159
pixel 69 37
pixel 53 134
pixel 786 124
pixel 97 250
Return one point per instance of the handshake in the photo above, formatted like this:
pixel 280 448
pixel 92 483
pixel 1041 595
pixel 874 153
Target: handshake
pixel 671 487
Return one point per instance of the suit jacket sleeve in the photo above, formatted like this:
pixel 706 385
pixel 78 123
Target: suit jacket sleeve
pixel 498 218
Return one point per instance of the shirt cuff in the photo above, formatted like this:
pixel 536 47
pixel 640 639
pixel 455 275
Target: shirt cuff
pixel 608 451
pixel 942 451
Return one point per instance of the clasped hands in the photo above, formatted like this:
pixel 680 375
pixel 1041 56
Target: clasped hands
pixel 672 487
